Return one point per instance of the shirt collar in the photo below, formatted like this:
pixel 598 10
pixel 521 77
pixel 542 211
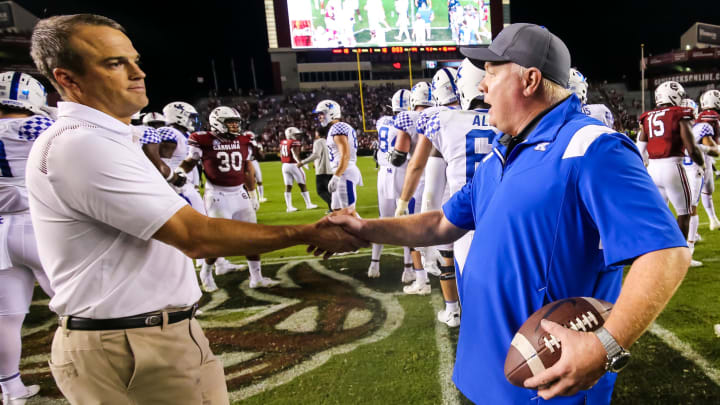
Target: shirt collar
pixel 544 127
pixel 82 112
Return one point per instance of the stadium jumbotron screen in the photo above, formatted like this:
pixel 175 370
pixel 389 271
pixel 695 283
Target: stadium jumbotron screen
pixel 361 23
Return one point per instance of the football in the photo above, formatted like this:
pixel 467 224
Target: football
pixel 532 350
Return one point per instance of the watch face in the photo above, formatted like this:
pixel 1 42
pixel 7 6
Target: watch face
pixel 619 362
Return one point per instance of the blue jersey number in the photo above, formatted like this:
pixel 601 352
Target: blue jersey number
pixel 484 138
pixel 4 164
pixel 354 138
pixel 383 139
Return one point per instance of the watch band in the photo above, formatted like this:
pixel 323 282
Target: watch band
pixel 608 341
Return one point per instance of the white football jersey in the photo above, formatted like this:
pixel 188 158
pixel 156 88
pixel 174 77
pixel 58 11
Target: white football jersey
pixel 600 112
pixel 408 121
pixel 17 136
pixel 463 137
pixel 700 131
pixel 342 129
pixel 387 135
pixel 170 134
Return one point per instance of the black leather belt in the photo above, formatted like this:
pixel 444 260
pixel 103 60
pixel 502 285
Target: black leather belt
pixel 130 322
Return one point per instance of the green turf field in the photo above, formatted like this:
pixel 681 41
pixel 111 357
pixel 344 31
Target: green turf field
pixel 440 34
pixel 330 335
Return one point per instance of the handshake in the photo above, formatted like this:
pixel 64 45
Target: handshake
pixel 341 231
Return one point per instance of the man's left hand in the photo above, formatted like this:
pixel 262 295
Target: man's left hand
pixel 581 364
pixel 254 201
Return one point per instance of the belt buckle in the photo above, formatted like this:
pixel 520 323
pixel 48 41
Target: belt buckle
pixel 153 320
pixel 193 310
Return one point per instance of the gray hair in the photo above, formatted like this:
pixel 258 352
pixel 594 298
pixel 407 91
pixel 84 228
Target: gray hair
pixel 552 92
pixel 50 45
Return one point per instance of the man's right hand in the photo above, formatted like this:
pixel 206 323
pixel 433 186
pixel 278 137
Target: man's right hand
pixel 328 238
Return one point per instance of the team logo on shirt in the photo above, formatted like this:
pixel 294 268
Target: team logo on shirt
pixel 542 146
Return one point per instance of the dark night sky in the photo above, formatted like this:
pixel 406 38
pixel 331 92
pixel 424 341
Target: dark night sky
pixel 177 40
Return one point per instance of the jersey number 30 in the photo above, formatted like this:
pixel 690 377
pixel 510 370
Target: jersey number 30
pixel 228 161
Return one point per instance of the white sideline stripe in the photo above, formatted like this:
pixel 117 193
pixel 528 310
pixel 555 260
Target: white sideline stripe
pixel 526 349
pixel 446 355
pixel 674 342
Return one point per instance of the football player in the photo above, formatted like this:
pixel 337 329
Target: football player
pixel 291 173
pixel 181 118
pixel 695 173
pixel 154 120
pixel 710 115
pixel 463 138
pixel 230 186
pixel 257 153
pixel 389 180
pixel 428 161
pixel 665 133
pixel 579 85
pixel 22 120
pixel 342 147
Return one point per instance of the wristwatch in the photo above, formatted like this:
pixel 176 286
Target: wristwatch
pixel 617 357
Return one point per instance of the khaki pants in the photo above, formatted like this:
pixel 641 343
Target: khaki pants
pixel 168 364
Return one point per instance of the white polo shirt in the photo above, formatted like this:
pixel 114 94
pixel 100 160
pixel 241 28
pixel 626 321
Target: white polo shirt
pixel 95 202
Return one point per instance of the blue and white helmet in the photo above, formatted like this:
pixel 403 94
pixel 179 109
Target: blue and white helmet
pixel 22 91
pixel 421 95
pixel 669 92
pixel 329 109
pixel 153 117
pixel 468 81
pixel 578 84
pixel 688 102
pixel 710 100
pixel 401 100
pixel 182 114
pixel 444 90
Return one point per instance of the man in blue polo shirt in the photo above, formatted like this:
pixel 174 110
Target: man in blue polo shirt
pixel 557 209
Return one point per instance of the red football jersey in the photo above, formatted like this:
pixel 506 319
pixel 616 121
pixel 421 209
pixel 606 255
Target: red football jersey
pixel 223 159
pixel 662 127
pixel 286 145
pixel 711 117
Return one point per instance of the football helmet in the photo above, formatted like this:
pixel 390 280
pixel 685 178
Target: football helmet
pixel 153 117
pixel 669 92
pixel 401 100
pixel 688 102
pixel 220 115
pixel 330 111
pixel 182 114
pixel 291 132
pixel 578 84
pixel 469 77
pixel 421 95
pixel 22 91
pixel 710 100
pixel 444 90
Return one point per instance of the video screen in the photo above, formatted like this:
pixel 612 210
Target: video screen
pixel 381 23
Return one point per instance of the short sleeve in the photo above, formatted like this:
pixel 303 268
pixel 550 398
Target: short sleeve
pixel 623 202
pixel 701 130
pixel 33 127
pixel 433 127
pixel 403 121
pixel 458 209
pixel 167 134
pixel 112 182
pixel 149 136
pixel 686 113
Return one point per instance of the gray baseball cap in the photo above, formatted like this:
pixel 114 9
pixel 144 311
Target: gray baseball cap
pixel 527 45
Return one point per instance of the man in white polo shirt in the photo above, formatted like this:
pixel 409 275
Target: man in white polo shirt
pixel 113 236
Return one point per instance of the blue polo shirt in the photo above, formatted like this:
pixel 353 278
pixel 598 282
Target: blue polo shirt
pixel 555 218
